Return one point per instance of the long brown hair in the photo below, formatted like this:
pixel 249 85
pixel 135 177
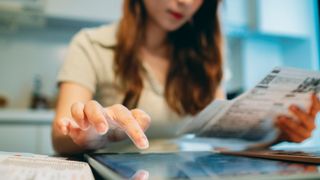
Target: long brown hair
pixel 195 70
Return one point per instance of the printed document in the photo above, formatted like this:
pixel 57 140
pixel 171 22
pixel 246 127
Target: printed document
pixel 24 166
pixel 250 116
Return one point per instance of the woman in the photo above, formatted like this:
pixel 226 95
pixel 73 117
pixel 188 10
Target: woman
pixel 163 59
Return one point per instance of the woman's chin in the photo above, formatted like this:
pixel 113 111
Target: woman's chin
pixel 171 26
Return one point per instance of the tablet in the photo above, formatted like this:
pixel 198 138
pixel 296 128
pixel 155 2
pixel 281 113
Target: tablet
pixel 196 165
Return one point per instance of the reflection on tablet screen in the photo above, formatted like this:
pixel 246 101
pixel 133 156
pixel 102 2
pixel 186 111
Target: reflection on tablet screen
pixel 193 165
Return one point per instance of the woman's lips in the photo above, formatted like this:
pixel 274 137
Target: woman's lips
pixel 176 15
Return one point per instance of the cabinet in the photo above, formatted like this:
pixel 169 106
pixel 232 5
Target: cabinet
pixel 90 10
pixel 18 138
pixel 26 131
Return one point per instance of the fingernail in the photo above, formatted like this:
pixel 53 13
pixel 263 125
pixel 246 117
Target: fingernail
pixel 101 128
pixel 64 130
pixel 143 143
pixel 144 175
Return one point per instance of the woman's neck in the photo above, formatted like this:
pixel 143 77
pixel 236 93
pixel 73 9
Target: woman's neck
pixel 155 39
pixel 155 51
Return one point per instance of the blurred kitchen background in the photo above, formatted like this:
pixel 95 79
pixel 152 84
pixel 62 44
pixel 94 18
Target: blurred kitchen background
pixel 34 36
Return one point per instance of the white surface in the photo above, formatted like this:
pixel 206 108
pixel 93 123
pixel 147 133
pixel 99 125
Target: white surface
pixel 26 131
pixel 26 138
pixel 18 138
pixel 25 55
pixel 259 56
pixel 287 17
pixel 101 10
pixel 237 13
pixel 28 166
pixel 25 116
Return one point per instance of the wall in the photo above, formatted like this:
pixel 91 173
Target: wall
pixel 40 51
pixel 26 54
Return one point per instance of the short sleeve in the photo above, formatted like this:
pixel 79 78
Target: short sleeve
pixel 78 65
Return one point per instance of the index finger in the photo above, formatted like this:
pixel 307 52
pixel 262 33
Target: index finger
pixel 123 118
pixel 142 118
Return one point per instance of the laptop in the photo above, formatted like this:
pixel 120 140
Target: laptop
pixel 195 165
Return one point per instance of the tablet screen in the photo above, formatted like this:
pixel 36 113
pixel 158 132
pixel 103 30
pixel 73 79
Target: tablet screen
pixel 194 165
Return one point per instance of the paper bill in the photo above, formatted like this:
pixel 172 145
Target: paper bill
pixel 28 166
pixel 251 115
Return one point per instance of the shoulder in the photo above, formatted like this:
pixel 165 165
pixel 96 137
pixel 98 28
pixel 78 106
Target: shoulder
pixel 88 61
pixel 103 36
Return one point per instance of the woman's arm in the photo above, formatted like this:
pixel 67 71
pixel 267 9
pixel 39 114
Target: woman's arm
pixel 69 94
pixel 82 124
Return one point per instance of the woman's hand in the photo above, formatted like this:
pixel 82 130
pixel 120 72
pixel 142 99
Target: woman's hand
pixel 299 127
pixel 92 126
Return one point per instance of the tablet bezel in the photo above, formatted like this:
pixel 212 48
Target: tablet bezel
pixel 98 166
pixel 108 172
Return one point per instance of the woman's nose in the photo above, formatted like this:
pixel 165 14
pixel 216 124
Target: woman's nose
pixel 185 2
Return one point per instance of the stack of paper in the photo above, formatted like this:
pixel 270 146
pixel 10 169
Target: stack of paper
pixel 39 167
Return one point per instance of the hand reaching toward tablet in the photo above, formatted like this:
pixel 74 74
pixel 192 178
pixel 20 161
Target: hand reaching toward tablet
pixel 92 126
